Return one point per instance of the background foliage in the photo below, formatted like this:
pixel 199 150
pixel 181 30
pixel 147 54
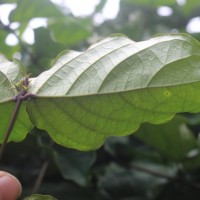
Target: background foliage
pixel 158 162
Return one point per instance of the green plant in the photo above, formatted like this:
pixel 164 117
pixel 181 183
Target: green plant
pixel 108 90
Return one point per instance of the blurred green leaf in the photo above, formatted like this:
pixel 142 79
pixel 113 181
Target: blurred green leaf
pixel 33 9
pixel 45 49
pixel 192 162
pixel 40 197
pixel 174 190
pixel 7 1
pixel 75 165
pixel 44 45
pixel 100 6
pixel 173 140
pixel 150 2
pixel 71 31
pixel 190 6
pixel 6 49
pixel 115 145
pixel 120 183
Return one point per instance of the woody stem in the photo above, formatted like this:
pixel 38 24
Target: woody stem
pixel 11 125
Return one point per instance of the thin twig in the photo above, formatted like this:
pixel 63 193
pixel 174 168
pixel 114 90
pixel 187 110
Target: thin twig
pixel 21 96
pixel 40 176
pixel 10 126
pixel 42 171
pixel 166 176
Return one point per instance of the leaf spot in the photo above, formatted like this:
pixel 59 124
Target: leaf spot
pixel 167 93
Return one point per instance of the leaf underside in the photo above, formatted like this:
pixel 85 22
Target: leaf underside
pixel 114 86
pixel 85 122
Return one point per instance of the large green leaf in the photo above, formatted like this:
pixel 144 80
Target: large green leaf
pixel 114 86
